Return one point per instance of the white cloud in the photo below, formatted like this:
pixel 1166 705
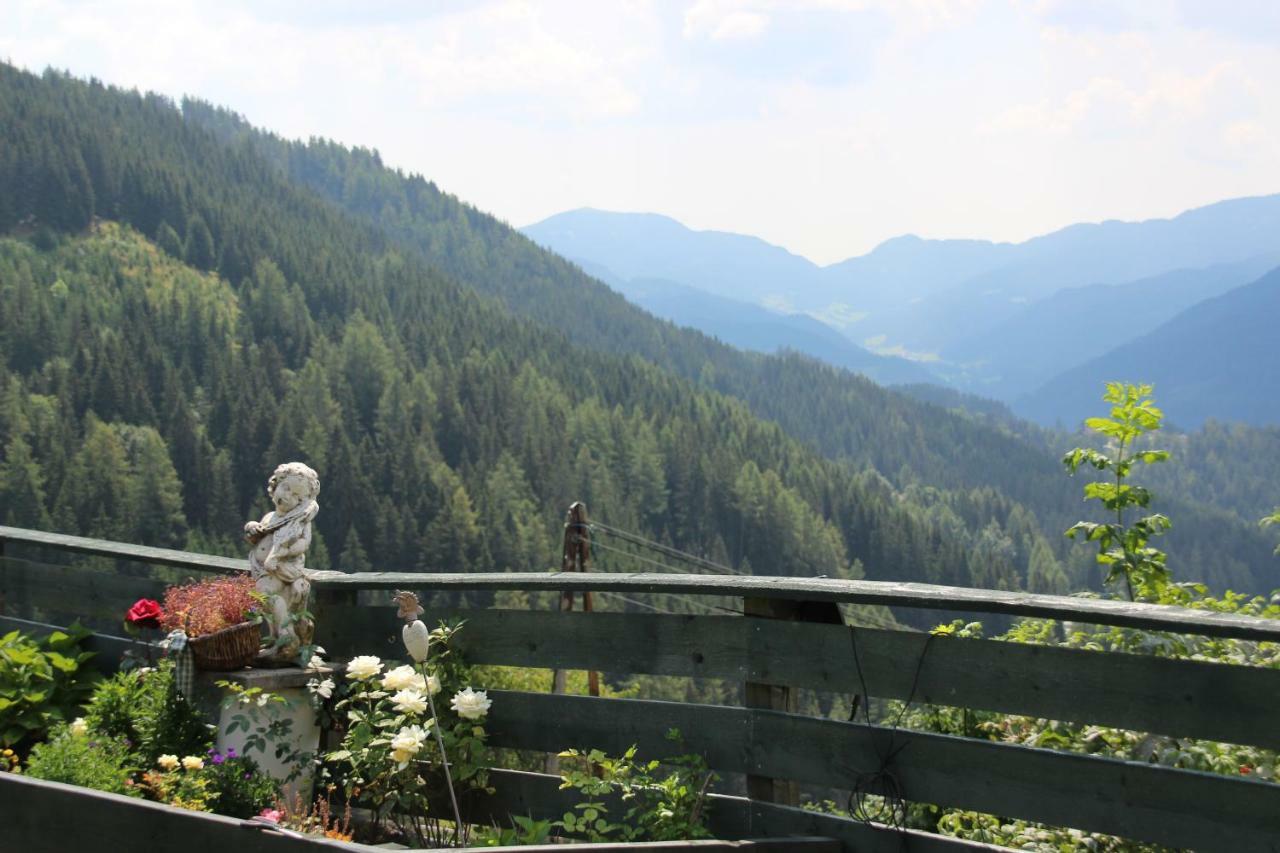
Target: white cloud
pixel 821 125
pixel 722 20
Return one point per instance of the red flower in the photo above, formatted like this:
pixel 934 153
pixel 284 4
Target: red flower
pixel 145 613
pixel 1245 769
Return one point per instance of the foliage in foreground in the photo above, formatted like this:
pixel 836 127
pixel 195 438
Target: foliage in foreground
pixel 1122 548
pixel 144 708
pixel 664 800
pixel 403 749
pixel 74 758
pixel 42 683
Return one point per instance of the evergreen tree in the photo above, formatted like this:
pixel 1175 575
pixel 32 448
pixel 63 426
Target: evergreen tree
pixel 22 487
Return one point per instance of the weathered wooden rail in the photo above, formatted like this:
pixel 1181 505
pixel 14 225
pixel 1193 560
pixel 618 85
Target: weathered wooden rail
pixel 1179 698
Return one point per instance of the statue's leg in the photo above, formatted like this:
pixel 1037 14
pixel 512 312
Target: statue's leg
pixel 271 588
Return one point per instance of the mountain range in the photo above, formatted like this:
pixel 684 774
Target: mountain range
pixel 186 300
pixel 998 319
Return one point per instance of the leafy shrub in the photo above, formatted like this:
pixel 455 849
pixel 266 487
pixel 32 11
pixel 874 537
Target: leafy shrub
pixel 390 757
pixel 1122 548
pixel 206 606
pixel 89 760
pixel 42 683
pixel 667 798
pixel 242 789
pixel 143 708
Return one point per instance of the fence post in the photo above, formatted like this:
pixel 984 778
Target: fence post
pixel 778 697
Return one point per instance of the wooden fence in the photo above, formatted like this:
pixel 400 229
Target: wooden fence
pixel 1148 802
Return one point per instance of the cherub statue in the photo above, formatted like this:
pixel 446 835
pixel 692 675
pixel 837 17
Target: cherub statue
pixel 280 541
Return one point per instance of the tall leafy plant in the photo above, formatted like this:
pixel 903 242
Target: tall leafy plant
pixel 1274 518
pixel 1124 547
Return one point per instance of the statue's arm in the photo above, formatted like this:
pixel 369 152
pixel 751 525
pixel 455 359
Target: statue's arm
pixel 294 547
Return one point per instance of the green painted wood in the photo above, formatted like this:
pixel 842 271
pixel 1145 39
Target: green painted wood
pixel 1232 704
pixel 48 817
pixel 1179 808
pixel 123 550
pixel 1154 617
pixel 538 795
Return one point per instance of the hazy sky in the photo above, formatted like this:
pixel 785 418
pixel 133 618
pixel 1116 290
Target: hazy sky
pixel 825 127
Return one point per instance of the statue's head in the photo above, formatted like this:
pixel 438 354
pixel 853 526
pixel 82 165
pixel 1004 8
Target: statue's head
pixel 291 484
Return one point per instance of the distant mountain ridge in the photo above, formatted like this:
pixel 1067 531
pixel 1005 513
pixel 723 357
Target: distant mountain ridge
pixel 1219 359
pixel 751 327
pixel 649 245
pixel 1067 327
pixel 923 294
pixel 999 319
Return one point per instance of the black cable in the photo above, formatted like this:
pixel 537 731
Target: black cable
pixel 881 781
pixel 674 553
pixel 649 561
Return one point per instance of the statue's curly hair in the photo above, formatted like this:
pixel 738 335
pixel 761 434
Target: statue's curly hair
pixel 296 469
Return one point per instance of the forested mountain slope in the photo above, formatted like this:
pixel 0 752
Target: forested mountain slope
pixel 844 415
pixel 259 323
pixel 1078 324
pixel 449 433
pixel 1218 359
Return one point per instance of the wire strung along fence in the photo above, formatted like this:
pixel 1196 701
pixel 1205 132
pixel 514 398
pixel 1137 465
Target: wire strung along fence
pixel 785 640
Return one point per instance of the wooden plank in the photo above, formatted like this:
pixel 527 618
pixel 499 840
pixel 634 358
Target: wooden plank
pixel 123 550
pixel 1146 802
pixel 76 591
pixel 538 795
pixel 776 695
pixel 1153 617
pixel 1097 611
pixel 1181 698
pixel 49 817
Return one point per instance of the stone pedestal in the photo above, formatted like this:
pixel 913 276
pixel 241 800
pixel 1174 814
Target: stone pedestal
pixel 304 732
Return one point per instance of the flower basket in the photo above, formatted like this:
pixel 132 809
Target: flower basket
pixel 230 648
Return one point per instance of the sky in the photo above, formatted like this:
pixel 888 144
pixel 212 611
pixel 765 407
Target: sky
pixel 824 126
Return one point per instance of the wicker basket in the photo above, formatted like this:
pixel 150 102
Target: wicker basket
pixel 230 648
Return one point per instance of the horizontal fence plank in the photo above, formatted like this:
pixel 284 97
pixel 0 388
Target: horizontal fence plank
pixel 84 592
pixel 48 817
pixel 1153 617
pixel 539 796
pixel 1182 698
pixel 1146 802
pixel 927 596
pixel 123 550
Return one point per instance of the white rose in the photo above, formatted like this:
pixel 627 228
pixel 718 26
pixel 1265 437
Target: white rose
pixel 193 762
pixel 401 678
pixel 471 704
pixel 433 685
pixel 364 666
pixel 409 702
pixel 79 727
pixel 406 743
pixel 167 762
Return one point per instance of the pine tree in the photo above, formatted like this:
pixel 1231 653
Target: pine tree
pixel 22 487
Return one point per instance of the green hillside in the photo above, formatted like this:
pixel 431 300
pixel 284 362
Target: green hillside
pixel 183 308
pixel 1220 358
